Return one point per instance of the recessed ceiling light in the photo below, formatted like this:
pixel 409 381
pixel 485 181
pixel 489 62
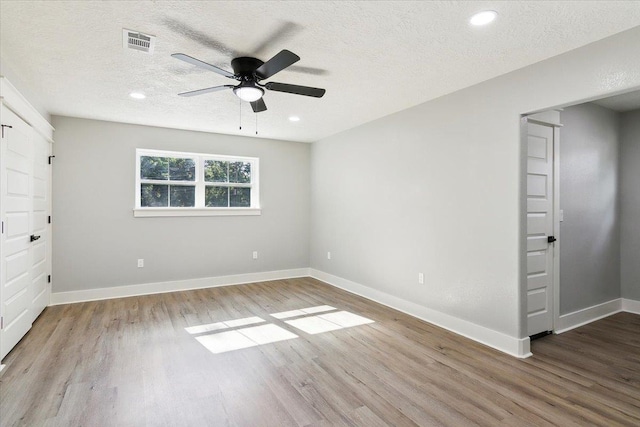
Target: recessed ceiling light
pixel 483 18
pixel 294 118
pixel 137 95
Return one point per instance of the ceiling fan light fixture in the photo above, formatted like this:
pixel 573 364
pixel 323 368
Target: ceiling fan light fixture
pixel 248 93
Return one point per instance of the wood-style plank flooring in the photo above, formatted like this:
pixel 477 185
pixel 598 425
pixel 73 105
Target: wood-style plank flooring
pixel 131 362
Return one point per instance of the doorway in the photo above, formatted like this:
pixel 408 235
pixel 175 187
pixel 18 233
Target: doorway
pixel 581 181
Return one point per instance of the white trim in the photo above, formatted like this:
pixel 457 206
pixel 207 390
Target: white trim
pixel 555 296
pixel 518 347
pixel 164 212
pixel 547 117
pixel 630 306
pixel 172 286
pixel 17 103
pixel 579 318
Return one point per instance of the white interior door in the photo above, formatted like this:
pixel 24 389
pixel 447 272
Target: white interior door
pixel 540 252
pixel 16 177
pixel 40 259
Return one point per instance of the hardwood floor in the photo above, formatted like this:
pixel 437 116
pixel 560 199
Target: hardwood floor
pixel 131 362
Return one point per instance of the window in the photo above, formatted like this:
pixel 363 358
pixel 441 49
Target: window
pixel 191 184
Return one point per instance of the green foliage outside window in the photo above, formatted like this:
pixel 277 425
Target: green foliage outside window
pixel 161 196
pixel 154 196
pixel 167 168
pixel 216 197
pixel 232 172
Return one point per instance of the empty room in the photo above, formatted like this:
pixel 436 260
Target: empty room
pixel 320 213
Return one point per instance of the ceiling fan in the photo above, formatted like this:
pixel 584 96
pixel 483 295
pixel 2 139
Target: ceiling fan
pixel 249 72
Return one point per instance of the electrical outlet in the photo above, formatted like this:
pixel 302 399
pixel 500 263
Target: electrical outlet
pixel 421 278
pixel 140 263
pixel 255 254
pixel 328 255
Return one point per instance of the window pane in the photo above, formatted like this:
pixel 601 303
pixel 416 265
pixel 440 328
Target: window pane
pixel 216 171
pixel 182 169
pixel 216 197
pixel 240 172
pixel 183 196
pixel 239 197
pixel 155 196
pixel 154 167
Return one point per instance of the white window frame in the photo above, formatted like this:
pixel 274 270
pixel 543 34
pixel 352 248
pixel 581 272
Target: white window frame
pixel 200 185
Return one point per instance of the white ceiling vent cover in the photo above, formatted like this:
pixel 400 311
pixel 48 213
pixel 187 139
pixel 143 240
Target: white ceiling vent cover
pixel 138 41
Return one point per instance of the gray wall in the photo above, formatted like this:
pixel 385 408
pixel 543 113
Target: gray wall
pixel 438 188
pixel 630 204
pixel 98 241
pixel 590 233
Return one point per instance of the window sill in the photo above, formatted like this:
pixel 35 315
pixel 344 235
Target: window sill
pixel 155 212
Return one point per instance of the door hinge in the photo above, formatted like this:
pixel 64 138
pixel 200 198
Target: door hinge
pixel 1 322
pixel 49 279
pixel 551 239
pixel 51 157
pixel 2 227
pixel 5 126
pixel 49 219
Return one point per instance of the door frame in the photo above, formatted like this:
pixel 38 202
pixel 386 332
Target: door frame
pixel 550 118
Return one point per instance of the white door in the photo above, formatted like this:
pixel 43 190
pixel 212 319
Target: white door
pixel 540 251
pixel 16 177
pixel 40 259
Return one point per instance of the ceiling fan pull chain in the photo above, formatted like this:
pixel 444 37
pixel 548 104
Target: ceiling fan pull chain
pixel 240 114
pixel 256 114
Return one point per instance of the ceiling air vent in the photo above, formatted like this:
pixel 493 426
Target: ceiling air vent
pixel 138 41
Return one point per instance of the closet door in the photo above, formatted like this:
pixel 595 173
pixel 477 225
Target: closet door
pixel 40 259
pixel 16 180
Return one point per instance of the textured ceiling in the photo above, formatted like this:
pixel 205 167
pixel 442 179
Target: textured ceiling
pixel 625 102
pixel 374 58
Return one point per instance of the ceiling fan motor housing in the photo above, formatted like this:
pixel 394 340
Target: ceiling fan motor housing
pixel 245 67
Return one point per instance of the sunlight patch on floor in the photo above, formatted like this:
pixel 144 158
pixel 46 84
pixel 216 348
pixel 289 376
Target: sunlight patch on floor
pixel 328 322
pixel 230 335
pixel 200 329
pixel 244 338
pixel 302 311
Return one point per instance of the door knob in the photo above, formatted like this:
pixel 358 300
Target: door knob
pixel 551 239
pixel 34 237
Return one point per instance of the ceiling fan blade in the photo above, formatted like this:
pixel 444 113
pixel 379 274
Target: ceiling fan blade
pixel 307 70
pixel 298 90
pixel 285 31
pixel 204 39
pixel 197 62
pixel 259 106
pixel 207 90
pixel 282 60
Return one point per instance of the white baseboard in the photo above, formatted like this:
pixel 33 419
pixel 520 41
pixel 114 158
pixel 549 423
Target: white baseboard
pixel 518 347
pixel 631 306
pixel 177 285
pixel 569 321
